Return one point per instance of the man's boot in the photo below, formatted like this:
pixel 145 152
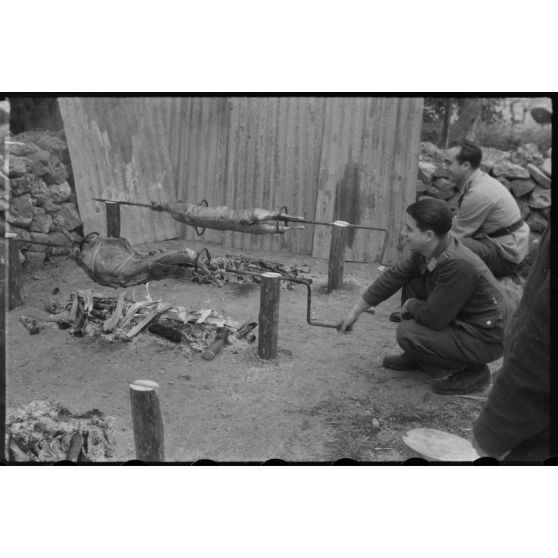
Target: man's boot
pixel 395 317
pixel 474 378
pixel 400 362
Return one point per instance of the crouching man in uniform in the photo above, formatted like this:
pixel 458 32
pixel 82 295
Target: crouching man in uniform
pixel 453 315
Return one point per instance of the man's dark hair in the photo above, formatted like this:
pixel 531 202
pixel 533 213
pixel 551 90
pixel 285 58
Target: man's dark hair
pixel 431 215
pixel 469 152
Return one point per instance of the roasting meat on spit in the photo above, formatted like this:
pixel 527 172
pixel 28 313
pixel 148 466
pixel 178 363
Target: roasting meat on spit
pixel 254 221
pixel 112 262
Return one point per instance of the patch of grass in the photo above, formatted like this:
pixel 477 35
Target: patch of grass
pixel 356 448
pixel 411 414
pixel 351 432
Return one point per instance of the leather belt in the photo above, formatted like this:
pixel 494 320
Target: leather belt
pixel 506 230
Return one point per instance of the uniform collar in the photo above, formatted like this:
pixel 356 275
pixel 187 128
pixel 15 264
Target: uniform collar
pixel 467 183
pixel 431 263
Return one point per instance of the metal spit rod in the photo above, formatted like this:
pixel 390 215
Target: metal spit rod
pixel 281 217
pixel 306 282
pixel 119 202
pixel 286 218
pixel 41 243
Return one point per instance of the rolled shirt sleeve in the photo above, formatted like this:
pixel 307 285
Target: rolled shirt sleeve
pixel 392 280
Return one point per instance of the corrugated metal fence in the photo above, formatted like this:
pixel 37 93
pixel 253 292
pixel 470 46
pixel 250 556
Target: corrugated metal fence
pixel 119 150
pixel 325 158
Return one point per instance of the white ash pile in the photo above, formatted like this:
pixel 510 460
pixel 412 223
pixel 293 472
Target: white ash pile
pixel 43 205
pixel 47 431
pixel 525 172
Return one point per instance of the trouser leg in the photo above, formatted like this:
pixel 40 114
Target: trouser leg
pixel 446 351
pixel 490 255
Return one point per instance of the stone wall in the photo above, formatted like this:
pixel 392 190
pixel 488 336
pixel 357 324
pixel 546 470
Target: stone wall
pixel 43 205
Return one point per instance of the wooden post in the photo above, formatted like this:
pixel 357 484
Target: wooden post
pixel 337 255
pixel 113 219
pixel 269 315
pixel 147 421
pixel 14 283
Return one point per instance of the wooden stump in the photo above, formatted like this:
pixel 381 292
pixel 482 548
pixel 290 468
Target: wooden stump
pixel 217 345
pixel 269 315
pixel 74 449
pixel 435 445
pixel 113 219
pixel 147 421
pixel 337 255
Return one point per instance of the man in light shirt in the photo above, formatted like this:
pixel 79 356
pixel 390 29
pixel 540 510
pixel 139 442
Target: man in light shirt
pixel 488 220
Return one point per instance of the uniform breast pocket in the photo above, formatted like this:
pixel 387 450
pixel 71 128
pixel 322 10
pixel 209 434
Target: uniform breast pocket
pixel 494 316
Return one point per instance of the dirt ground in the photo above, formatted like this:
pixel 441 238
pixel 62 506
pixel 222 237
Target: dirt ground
pixel 317 402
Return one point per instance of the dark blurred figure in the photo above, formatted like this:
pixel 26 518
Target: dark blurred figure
pixel 515 423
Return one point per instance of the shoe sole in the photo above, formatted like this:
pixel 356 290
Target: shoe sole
pixel 401 368
pixel 473 388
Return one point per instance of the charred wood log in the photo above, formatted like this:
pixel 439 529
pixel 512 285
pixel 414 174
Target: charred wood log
pixel 245 329
pixel 161 307
pixel 216 346
pixel 169 333
pixel 15 453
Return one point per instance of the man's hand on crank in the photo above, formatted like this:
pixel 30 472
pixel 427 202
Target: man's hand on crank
pixel 346 325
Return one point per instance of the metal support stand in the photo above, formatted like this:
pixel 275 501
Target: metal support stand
pixel 113 219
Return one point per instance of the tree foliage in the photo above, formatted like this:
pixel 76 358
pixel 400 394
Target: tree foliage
pixel 447 117
pixel 435 108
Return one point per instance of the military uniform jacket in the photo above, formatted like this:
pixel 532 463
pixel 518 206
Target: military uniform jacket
pixel 461 291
